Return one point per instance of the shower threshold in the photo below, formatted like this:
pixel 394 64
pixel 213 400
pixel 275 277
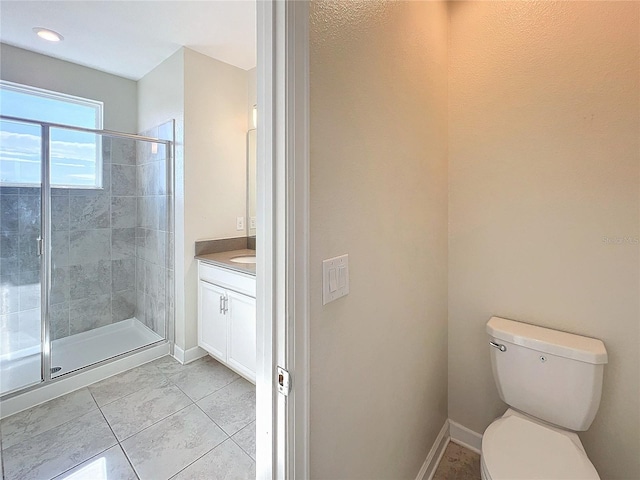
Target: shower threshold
pixel 75 352
pixel 94 346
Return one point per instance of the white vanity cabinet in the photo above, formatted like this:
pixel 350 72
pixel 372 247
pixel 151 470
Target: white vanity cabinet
pixel 227 317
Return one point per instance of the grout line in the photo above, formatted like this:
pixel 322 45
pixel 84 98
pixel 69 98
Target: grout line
pixel 1 457
pixel 81 462
pixel 214 422
pixel 122 373
pixel 135 472
pixel 220 426
pixel 206 453
pixel 149 426
pixel 136 391
pixel 240 446
pixel 119 443
pixel 111 429
pixel 31 436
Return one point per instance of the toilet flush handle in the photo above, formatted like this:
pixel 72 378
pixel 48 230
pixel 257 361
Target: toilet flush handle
pixel 499 346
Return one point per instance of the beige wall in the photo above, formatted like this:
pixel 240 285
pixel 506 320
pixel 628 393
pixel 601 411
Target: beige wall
pixel 378 193
pixel 118 94
pixel 215 108
pixel 543 165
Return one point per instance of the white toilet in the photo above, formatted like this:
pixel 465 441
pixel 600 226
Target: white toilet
pixel 553 382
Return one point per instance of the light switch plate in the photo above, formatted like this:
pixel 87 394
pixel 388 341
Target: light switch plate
pixel 335 278
pixel 239 223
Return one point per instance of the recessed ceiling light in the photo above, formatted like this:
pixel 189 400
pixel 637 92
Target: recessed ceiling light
pixel 47 34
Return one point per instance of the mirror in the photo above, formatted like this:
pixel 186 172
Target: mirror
pixel 251 183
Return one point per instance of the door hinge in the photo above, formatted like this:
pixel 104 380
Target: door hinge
pixel 284 381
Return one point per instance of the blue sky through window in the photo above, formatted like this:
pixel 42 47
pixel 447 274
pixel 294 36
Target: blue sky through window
pixel 75 156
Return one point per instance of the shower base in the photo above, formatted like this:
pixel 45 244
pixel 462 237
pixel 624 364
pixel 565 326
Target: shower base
pixel 76 351
pixel 86 348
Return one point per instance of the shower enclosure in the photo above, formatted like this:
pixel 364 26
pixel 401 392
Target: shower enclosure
pixel 85 267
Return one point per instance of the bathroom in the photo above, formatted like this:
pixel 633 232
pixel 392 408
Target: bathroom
pixel 482 163
pixel 124 221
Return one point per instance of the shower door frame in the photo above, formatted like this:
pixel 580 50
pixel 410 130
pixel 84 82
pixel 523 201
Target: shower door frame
pixel 45 246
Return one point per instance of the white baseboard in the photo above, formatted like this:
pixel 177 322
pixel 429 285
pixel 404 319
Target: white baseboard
pixel 80 380
pixel 465 437
pixel 451 431
pixel 189 355
pixel 435 454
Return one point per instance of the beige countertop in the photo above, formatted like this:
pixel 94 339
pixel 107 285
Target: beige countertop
pixel 223 259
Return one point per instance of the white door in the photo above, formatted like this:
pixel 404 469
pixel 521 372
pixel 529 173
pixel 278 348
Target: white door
pixel 242 333
pixel 212 322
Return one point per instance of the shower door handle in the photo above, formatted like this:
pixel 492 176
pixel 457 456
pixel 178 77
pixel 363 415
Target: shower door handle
pixel 39 244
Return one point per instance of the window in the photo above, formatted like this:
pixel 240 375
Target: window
pixel 76 157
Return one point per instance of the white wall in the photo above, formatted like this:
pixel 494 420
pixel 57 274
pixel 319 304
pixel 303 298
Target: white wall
pixel 118 94
pixel 378 192
pixel 215 106
pixel 252 152
pixel 209 100
pixel 544 150
pixel 252 86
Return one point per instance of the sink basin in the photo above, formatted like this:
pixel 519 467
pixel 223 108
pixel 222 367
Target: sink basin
pixel 244 259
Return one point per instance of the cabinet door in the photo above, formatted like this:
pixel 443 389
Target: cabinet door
pixel 242 334
pixel 212 322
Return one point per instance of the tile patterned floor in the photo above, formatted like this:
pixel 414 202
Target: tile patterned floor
pixel 160 421
pixel 458 463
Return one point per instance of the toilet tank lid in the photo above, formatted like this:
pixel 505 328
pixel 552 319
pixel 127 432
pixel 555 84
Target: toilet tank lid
pixel 554 342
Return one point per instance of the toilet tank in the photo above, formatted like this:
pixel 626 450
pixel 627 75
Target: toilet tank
pixel 551 375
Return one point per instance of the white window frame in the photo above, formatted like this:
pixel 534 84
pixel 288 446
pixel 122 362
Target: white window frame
pixel 98 107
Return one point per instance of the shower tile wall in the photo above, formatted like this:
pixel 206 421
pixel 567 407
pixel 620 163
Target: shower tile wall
pixel 93 247
pixel 153 237
pixel 19 268
pixel 110 248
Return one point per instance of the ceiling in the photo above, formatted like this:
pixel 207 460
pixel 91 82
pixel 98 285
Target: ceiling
pixel 130 38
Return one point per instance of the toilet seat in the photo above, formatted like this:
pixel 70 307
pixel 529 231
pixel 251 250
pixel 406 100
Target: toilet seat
pixel 516 448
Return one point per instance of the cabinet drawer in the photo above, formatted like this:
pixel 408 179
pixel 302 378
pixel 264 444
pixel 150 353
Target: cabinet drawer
pixel 230 279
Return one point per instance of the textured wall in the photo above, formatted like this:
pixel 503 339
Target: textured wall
pixel 544 123
pixel 378 193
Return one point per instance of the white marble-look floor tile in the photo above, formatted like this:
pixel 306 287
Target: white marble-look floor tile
pixel 109 465
pixel 202 377
pixel 39 419
pixel 246 439
pixel 165 448
pixel 118 386
pixel 132 413
pixel 225 462
pixel 58 449
pixel 232 407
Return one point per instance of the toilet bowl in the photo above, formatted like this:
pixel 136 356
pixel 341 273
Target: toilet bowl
pixel 552 381
pixel 516 447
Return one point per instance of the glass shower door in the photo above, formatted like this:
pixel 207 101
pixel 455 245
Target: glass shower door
pixel 21 327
